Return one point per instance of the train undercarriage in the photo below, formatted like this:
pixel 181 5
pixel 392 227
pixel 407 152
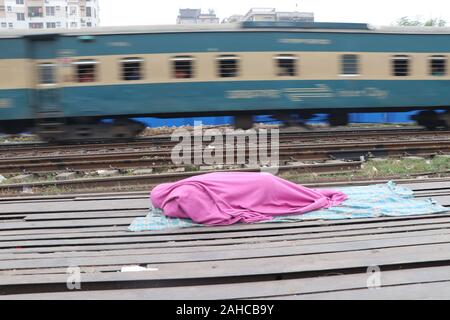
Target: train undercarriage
pixel 429 119
pixel 82 129
pixel 87 129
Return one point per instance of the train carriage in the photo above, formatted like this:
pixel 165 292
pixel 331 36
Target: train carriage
pixel 65 84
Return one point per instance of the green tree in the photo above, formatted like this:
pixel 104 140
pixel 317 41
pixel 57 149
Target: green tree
pixel 435 23
pixel 410 22
pixel 407 22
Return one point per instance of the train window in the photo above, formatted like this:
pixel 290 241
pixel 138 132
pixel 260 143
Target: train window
pixel 286 65
pixel 183 67
pixel 438 66
pixel 228 66
pixel 46 73
pixel 349 64
pixel 86 70
pixel 132 69
pixel 400 66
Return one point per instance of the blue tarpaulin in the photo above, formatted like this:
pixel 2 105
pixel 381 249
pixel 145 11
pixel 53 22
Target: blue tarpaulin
pixel 393 117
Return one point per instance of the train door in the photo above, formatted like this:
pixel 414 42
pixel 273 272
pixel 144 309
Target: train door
pixel 47 99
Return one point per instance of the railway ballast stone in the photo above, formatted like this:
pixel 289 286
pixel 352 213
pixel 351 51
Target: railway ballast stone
pixel 66 176
pixel 206 168
pixel 379 159
pixel 22 177
pixel 413 158
pixel 252 166
pixel 108 173
pixel 335 162
pixel 296 163
pixel 143 171
pixel 176 170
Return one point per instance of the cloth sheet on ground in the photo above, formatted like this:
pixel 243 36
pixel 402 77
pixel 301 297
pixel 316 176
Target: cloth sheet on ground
pixel 229 198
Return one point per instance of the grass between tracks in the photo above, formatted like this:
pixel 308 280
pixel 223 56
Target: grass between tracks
pixel 382 169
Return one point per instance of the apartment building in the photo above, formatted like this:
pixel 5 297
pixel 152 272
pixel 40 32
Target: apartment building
pixel 271 14
pixel 195 16
pixel 48 14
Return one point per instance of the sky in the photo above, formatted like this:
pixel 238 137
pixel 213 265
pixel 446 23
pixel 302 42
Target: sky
pixel 377 12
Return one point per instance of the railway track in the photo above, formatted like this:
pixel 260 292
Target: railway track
pixel 305 152
pixel 164 141
pixel 161 159
pixel 123 182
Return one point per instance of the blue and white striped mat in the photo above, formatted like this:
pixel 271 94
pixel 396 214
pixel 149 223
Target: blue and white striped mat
pixel 384 200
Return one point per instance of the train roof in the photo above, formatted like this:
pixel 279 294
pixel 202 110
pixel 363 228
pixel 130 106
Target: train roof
pixel 335 27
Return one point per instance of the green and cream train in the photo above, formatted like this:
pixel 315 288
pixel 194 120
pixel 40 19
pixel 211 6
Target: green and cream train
pixel 66 84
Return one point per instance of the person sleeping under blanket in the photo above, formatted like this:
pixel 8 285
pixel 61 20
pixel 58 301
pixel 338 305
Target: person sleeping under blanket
pixel 229 198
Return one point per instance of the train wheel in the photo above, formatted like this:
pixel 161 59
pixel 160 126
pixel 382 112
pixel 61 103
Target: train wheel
pixel 428 119
pixel 287 120
pixel 446 119
pixel 126 129
pixel 13 128
pixel 51 130
pixel 338 119
pixel 244 122
pixel 92 131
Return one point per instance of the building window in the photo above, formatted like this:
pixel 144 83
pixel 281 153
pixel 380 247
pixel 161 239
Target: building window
pixel 72 11
pixel 228 66
pixel 438 66
pixel 20 16
pixel 51 25
pixel 88 12
pixel 10 25
pixel 400 66
pixel 36 25
pixel 183 67
pixel 9 9
pixel 132 69
pixel 73 25
pixel 286 65
pixel 50 11
pixel 86 71
pixel 19 1
pixel 349 64
pixel 35 12
pixel 46 73
pixel 3 24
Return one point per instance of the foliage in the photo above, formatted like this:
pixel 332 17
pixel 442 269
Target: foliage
pixel 416 22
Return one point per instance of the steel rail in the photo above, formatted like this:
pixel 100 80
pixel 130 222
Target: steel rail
pixel 162 158
pixel 161 141
pixel 153 179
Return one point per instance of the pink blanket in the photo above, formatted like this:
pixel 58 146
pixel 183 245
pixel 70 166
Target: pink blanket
pixel 228 198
